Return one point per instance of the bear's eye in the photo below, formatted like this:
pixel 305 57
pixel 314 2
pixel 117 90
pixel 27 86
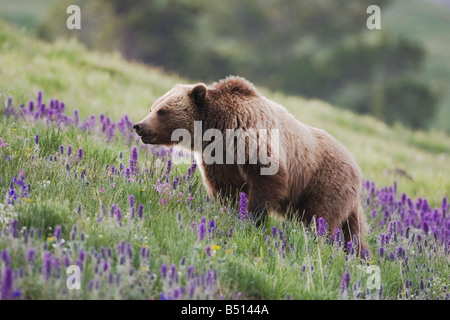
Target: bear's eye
pixel 161 112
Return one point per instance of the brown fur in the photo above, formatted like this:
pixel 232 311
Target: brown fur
pixel 317 176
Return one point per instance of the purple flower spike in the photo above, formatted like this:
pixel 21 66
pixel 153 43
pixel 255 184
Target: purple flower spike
pixel 134 154
pixel 345 284
pixel 164 270
pixel 31 255
pixel 274 231
pixel 47 265
pixel 6 258
pixel 201 231
pixel 321 227
pixel 230 232
pixel 36 139
pixel 69 150
pixel 212 226
pixel 349 245
pixel 14 228
pixel 82 255
pixel 140 211
pixel 80 153
pixel 208 251
pixel 76 117
pixel 173 273
pixel 242 206
pixel 131 201
pixel 7 285
pixel 58 233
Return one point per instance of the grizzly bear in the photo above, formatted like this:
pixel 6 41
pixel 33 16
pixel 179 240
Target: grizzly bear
pixel 315 174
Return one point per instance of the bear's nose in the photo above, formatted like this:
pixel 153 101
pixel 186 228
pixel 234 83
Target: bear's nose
pixel 138 128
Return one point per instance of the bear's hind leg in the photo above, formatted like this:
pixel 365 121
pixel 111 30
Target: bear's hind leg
pixel 354 225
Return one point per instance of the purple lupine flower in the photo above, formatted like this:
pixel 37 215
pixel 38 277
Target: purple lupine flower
pixel 230 232
pixel 201 231
pixel 242 206
pixel 69 150
pixel 140 211
pixel 163 270
pixel 118 213
pixel 169 167
pixel 76 117
pixel 349 245
pixel 47 265
pixel 444 206
pixel 131 201
pixel 191 291
pixel 391 256
pixel 30 107
pixel 208 251
pixel 192 169
pixel 31 255
pixel 321 227
pixel 173 274
pixel 401 252
pixel 80 153
pixel 105 266
pixel 7 285
pixel 6 258
pixel 14 228
pixel 190 271
pixel 426 228
pixel 176 294
pixel 82 255
pixel 58 233
pixel 338 236
pixel 134 154
pixel 345 283
pixel 274 231
pixel 381 251
pixel 61 149
pixel 212 226
pixel 36 139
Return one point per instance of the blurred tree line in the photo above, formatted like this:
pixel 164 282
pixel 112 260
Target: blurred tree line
pixel 314 48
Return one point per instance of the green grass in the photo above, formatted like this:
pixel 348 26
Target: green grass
pixel 248 261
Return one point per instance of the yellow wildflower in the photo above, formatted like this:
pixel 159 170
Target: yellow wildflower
pixel 229 251
pixel 49 239
pixel 28 200
pixel 142 190
pixel 14 129
pixel 215 247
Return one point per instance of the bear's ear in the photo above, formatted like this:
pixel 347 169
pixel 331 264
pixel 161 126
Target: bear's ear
pixel 198 94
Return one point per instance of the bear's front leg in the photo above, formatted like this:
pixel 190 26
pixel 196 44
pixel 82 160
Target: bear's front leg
pixel 264 192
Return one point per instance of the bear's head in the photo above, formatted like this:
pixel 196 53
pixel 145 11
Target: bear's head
pixel 177 109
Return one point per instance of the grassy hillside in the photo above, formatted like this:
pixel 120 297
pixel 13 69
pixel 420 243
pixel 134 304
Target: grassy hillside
pixel 427 22
pixel 97 83
pixel 140 227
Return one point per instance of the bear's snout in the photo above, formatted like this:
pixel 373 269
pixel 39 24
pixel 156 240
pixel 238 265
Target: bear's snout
pixel 138 128
pixel 145 134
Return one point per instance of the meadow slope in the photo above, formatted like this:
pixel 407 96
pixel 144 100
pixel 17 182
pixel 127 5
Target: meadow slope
pixel 95 83
pixel 140 227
